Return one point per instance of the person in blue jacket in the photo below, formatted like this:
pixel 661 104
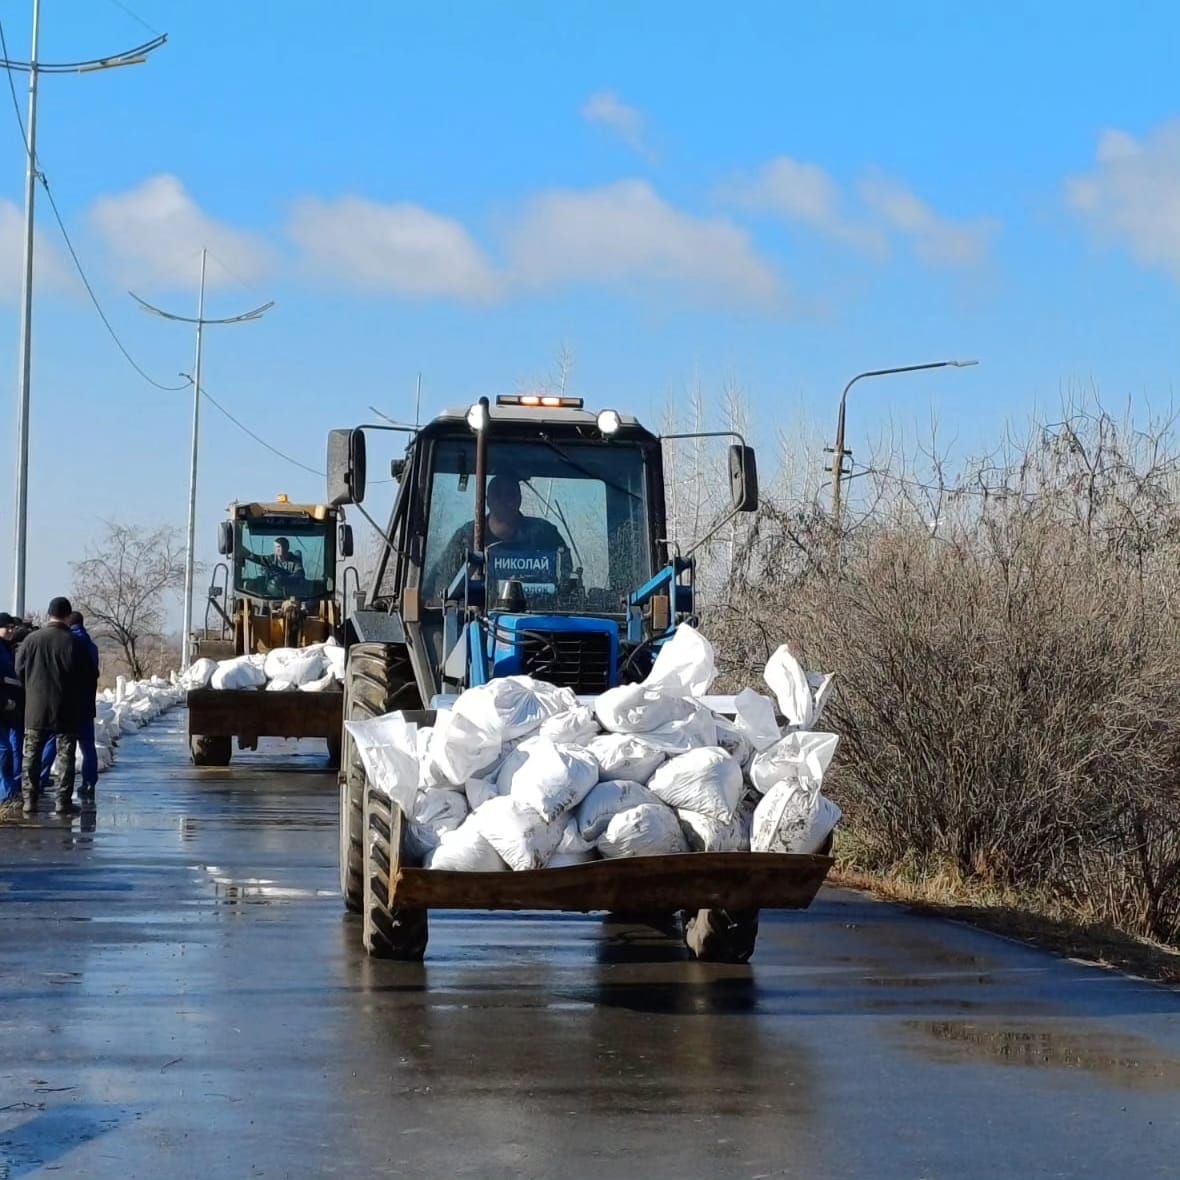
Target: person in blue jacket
pixel 12 713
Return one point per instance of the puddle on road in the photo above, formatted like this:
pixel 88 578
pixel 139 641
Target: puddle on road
pixel 231 891
pixel 1121 1059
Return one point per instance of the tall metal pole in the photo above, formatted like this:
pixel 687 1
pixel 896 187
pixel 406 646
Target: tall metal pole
pixel 191 539
pixel 838 450
pixel 20 548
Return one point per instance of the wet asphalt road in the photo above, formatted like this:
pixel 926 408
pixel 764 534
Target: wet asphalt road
pixel 180 996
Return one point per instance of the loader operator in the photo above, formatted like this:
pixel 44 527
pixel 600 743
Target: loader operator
pixel 506 525
pixel 281 568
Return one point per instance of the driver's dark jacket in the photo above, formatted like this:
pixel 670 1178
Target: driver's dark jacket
pixel 531 533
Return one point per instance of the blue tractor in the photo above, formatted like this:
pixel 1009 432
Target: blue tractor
pixel 528 536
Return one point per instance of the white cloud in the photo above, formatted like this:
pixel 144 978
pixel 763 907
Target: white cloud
pixel 155 233
pixel 400 248
pixel 806 193
pixel 51 270
pixel 937 240
pixel 1132 196
pixel 607 109
pixel 626 231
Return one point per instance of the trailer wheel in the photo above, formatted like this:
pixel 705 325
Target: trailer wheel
pixel 334 752
pixel 208 750
pixel 388 933
pixel 378 680
pixel 721 936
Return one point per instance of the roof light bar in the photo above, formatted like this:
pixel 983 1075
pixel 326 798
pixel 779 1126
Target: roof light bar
pixel 542 400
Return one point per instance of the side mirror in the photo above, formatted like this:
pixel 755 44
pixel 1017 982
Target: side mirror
pixel 743 479
pixel 397 468
pixel 346 540
pixel 346 467
pixel 225 537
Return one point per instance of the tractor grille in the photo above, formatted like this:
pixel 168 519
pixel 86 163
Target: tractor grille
pixel 580 660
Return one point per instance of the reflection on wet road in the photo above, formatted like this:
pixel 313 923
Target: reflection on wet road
pixel 180 996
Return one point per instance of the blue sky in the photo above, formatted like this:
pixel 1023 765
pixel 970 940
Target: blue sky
pixel 773 195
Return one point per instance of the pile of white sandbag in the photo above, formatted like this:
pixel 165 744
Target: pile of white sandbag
pixel 520 774
pixel 128 707
pixel 319 667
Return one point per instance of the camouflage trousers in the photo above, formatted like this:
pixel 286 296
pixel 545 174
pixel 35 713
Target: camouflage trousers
pixel 64 767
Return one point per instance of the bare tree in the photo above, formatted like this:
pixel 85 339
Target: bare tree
pixel 122 586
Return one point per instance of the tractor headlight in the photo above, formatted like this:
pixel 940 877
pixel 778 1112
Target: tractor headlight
pixel 609 422
pixel 477 417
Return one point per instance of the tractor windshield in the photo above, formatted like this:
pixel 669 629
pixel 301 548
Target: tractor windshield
pixel 282 558
pixel 569 521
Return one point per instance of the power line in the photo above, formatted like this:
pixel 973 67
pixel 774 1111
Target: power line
pixel 134 16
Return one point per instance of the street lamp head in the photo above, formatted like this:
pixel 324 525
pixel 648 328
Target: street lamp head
pixel 962 364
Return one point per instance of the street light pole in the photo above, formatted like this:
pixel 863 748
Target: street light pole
pixel 191 532
pixel 839 452
pixel 20 549
pixel 35 69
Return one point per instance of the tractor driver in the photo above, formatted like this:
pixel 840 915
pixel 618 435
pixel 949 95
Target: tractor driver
pixel 283 566
pixel 505 525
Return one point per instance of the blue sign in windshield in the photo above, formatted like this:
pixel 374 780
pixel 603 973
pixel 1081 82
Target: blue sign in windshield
pixel 531 567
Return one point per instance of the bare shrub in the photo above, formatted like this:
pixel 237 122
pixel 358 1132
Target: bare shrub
pixel 1008 653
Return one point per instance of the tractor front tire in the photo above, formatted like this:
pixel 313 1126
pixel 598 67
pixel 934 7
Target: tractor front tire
pixel 377 681
pixel 209 750
pixel 389 933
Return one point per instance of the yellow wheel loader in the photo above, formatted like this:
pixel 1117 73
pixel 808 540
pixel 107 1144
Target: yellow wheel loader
pixel 277 588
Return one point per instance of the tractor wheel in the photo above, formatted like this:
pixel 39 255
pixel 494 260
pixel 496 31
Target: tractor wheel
pixel 334 752
pixel 721 936
pixel 378 680
pixel 210 751
pixel 388 933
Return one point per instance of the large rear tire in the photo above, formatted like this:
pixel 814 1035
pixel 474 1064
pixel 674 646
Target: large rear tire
pixel 209 750
pixel 377 681
pixel 721 936
pixel 389 933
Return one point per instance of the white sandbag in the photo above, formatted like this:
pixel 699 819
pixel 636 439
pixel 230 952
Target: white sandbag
pixel 625 756
pixel 514 706
pixel 604 802
pixel 705 834
pixel 574 727
pixel 572 841
pixel 435 812
pixel 388 749
pixel 546 777
pixel 465 851
pixel 793 817
pixel 689 733
pixel 326 683
pixel 299 665
pixel 640 708
pixel 801 697
pixel 685 666
pixel 240 673
pixel 335 656
pixel 459 749
pixel 733 740
pixel 279 686
pixel 798 756
pixel 199 673
pixel 522 836
pixel 707 781
pixel 567 860
pixel 756 719
pixel 480 790
pixel 651 829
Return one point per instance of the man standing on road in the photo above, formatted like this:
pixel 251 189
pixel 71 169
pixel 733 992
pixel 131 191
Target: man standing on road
pixel 90 711
pixel 58 675
pixel 12 713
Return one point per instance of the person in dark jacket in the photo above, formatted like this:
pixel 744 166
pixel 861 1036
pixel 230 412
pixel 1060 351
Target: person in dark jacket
pixel 86 733
pixel 12 712
pixel 60 681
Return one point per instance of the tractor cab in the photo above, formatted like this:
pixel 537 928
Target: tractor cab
pixel 529 537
